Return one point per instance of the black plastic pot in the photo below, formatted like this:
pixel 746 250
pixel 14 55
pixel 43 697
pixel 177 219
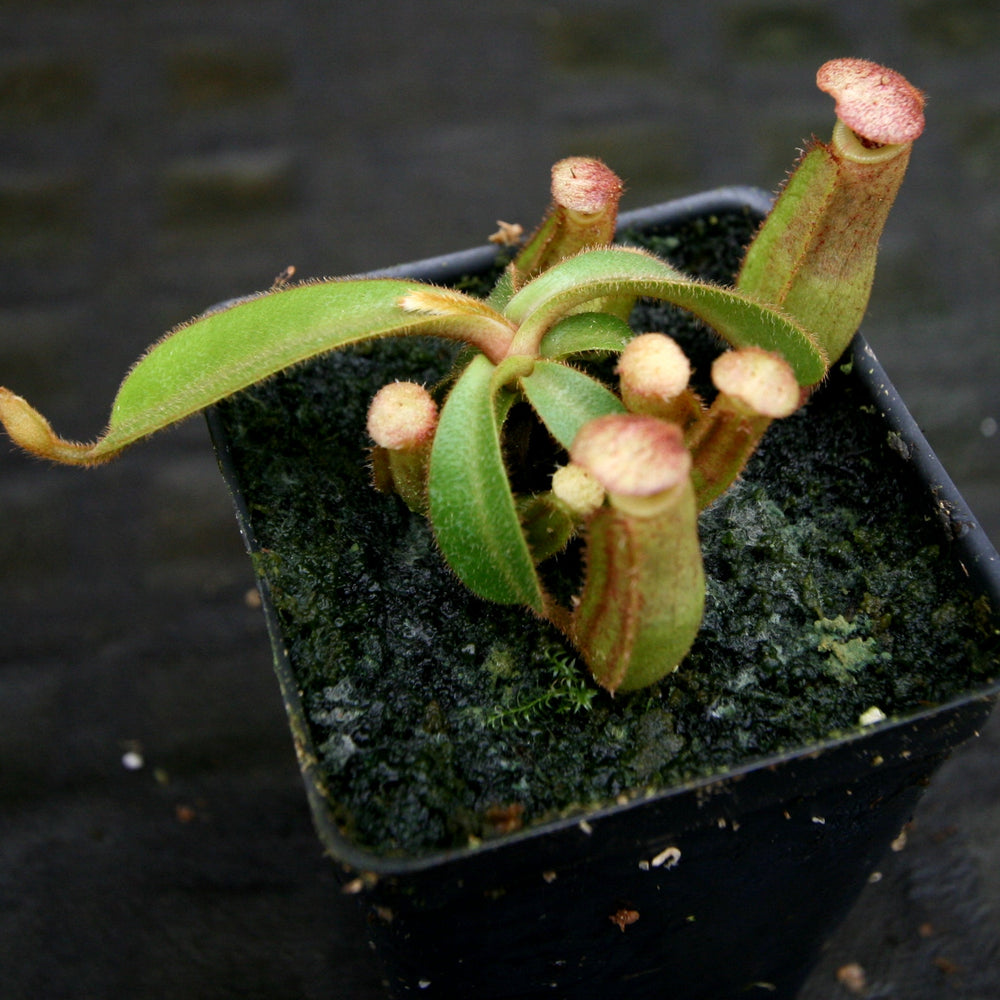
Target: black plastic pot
pixel 724 887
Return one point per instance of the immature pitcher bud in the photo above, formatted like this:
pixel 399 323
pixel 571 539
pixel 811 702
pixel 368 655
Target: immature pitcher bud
pixel 402 418
pixel 759 382
pixel 755 387
pixel 574 486
pixel 653 375
pixel 29 430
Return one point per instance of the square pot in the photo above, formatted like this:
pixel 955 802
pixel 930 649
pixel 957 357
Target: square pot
pixel 721 885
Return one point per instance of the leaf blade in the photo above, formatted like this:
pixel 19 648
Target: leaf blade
pixel 226 350
pixel 565 399
pixel 583 333
pixel 472 508
pixel 739 318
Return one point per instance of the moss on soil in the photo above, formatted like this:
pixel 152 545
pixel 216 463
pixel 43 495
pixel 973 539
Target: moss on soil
pixel 440 718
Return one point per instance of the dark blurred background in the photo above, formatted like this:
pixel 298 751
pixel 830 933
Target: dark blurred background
pixel 158 157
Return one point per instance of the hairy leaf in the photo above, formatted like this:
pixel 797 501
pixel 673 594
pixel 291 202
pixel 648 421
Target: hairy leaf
pixel 622 271
pixel 583 333
pixel 471 505
pixel 565 399
pixel 229 349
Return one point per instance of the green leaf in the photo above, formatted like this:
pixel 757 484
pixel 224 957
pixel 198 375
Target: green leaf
pixel 503 290
pixel 471 505
pixel 585 332
pixel 224 351
pixel 565 399
pixel 619 271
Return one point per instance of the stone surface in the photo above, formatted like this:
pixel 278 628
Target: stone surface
pixel 158 158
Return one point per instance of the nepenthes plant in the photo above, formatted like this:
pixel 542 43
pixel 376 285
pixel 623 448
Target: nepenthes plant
pixel 633 457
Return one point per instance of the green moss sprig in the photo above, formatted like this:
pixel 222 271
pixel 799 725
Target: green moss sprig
pixel 565 691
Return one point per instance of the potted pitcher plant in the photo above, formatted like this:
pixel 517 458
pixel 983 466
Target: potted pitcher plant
pixel 660 612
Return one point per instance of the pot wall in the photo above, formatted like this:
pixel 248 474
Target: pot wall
pixel 734 882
